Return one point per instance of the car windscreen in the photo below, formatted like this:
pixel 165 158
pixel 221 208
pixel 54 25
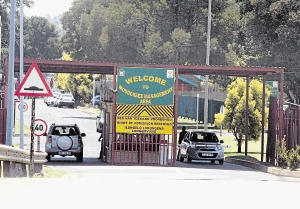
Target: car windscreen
pixel 67 96
pixel 204 137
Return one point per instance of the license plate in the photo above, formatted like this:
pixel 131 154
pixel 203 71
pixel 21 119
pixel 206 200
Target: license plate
pixel 207 154
pixel 64 153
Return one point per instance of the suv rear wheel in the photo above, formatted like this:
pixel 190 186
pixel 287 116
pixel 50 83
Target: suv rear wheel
pixel 48 157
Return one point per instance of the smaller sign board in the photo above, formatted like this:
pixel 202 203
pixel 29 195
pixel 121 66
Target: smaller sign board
pixel 25 106
pixel 40 127
pixel 34 84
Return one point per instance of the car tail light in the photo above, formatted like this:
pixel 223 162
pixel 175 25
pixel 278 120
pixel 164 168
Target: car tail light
pixel 61 98
pixel 50 139
pixel 79 139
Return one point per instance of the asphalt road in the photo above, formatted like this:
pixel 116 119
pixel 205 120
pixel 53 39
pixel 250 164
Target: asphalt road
pixel 123 192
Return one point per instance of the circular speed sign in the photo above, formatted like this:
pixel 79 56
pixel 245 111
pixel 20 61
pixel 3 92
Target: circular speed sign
pixel 25 106
pixel 40 127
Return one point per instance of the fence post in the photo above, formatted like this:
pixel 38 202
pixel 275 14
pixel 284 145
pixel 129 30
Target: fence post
pixel 7 169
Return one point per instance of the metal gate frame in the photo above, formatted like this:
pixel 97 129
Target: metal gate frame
pixel 144 149
pixel 3 113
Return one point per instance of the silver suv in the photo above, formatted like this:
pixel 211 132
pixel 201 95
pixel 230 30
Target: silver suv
pixel 201 145
pixel 64 140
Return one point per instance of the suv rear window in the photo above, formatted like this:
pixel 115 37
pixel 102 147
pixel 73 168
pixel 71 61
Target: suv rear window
pixel 65 130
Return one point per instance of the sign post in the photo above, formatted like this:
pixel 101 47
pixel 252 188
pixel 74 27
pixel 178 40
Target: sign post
pixel 40 128
pixel 33 85
pixel 31 164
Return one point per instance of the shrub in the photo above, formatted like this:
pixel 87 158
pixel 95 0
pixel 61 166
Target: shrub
pixel 282 155
pixel 293 159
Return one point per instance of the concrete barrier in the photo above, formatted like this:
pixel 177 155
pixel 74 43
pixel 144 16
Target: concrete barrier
pixel 13 161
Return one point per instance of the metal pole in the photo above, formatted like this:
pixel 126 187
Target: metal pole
pixel 207 63
pixel 263 120
pixel 38 144
pixel 221 111
pixel 31 163
pixel 197 110
pixel 21 77
pixel 247 116
pixel 0 43
pixel 93 91
pixel 10 93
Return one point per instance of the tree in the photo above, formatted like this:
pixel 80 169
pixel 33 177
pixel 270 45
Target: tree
pixel 5 26
pixel 79 85
pixel 41 39
pixel 235 110
pixel 272 31
pixel 141 31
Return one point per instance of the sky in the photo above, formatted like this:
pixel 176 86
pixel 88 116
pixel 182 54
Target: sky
pixel 51 7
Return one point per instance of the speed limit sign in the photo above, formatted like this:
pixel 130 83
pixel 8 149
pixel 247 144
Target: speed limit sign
pixel 40 127
pixel 25 106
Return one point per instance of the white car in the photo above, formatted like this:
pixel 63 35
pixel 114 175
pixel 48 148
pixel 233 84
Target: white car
pixel 65 100
pixel 201 145
pixel 50 100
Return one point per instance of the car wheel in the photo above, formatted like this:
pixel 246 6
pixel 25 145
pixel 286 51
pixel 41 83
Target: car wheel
pixel 188 158
pixel 79 157
pixel 212 161
pixel 48 157
pixel 181 159
pixel 221 162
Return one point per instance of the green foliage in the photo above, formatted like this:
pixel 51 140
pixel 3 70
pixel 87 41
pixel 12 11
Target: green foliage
pixel 235 110
pixel 282 155
pixel 5 28
pixel 142 31
pixel 293 159
pixel 41 39
pixel 219 117
pixel 79 85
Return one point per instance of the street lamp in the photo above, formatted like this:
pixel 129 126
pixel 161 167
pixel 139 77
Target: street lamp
pixel 94 77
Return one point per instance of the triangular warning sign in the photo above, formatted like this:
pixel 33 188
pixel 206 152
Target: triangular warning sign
pixel 34 84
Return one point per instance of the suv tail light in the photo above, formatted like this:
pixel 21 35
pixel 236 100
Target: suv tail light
pixel 50 139
pixel 79 140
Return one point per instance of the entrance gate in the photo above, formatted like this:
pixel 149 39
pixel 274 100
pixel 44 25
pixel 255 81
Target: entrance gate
pixel 142 149
pixel 142 117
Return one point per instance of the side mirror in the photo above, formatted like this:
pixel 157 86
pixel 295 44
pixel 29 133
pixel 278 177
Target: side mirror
pixel 221 141
pixel 83 134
